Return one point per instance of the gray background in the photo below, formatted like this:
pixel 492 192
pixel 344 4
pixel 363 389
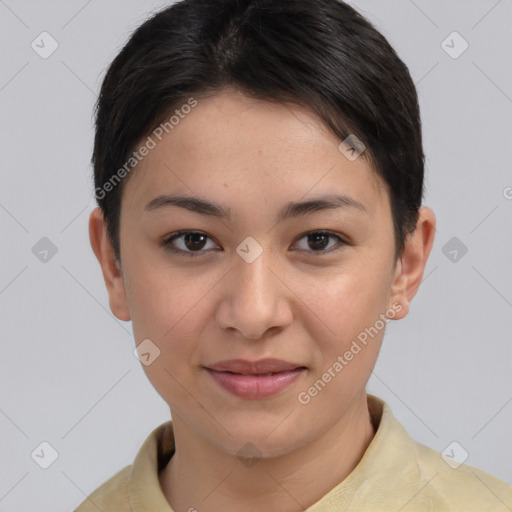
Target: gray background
pixel 68 373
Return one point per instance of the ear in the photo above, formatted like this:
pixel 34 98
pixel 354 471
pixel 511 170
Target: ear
pixel 409 269
pixel 110 266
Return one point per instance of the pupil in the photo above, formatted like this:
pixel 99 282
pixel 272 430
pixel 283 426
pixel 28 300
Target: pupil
pixel 193 243
pixel 196 241
pixel 316 239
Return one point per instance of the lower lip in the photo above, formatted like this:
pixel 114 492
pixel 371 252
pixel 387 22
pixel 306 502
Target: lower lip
pixel 255 386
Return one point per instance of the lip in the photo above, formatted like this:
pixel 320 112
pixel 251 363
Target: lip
pixel 254 367
pixel 251 379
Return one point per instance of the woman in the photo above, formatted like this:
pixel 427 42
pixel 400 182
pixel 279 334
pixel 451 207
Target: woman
pixel 259 174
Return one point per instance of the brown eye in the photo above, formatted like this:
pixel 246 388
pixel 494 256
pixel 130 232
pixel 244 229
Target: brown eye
pixel 190 243
pixel 194 241
pixel 318 241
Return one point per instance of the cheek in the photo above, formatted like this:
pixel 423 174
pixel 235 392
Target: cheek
pixel 171 307
pixel 347 322
pixel 158 296
pixel 347 339
pixel 348 298
pixel 166 309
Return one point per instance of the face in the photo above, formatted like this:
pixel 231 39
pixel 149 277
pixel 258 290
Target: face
pixel 269 279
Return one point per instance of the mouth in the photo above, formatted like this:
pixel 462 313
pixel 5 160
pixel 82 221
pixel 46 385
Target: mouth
pixel 255 380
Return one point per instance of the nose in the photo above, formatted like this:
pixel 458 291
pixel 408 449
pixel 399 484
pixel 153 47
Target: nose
pixel 256 301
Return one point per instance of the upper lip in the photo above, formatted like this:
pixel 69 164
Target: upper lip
pixel 254 367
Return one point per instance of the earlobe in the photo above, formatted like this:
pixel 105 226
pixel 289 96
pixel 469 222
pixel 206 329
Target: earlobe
pixel 110 266
pixel 410 268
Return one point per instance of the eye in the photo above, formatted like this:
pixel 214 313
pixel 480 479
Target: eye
pixel 192 242
pixel 319 241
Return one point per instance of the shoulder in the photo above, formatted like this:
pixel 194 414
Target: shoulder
pixel 112 495
pixel 462 487
pixel 416 477
pixel 137 483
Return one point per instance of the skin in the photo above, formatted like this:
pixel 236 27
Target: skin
pixel 290 303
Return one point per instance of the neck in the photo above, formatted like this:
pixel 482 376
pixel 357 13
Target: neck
pixel 201 476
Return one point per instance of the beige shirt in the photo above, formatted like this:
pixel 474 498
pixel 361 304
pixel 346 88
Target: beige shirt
pixel 396 474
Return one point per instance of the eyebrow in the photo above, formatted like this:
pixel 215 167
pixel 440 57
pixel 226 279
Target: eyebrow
pixel 293 209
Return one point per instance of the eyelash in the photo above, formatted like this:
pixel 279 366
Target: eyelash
pixel 167 243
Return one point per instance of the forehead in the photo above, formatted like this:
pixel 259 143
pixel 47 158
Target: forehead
pixel 234 146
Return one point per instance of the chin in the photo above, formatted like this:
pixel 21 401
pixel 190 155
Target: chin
pixel 260 440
